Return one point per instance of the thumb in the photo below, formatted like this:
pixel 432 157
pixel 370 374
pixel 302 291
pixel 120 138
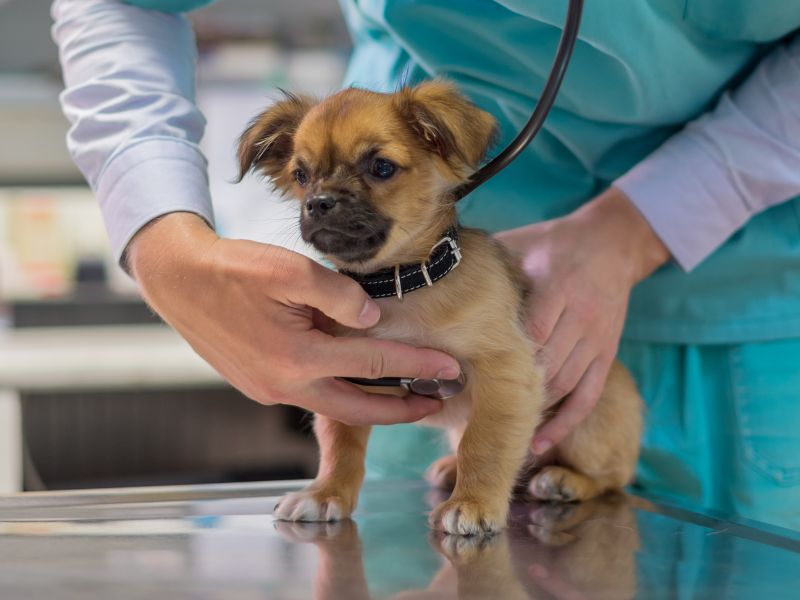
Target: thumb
pixel 336 296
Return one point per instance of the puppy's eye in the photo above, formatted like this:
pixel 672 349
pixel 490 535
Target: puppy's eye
pixel 301 177
pixel 382 168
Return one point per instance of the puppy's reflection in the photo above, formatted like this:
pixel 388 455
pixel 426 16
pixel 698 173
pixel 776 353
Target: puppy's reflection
pixel 564 551
pixel 586 550
pixel 340 573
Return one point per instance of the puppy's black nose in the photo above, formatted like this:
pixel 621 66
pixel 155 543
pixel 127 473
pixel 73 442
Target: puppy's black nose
pixel 320 205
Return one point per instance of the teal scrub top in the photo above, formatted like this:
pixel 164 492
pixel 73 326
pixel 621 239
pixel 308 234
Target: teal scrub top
pixel 641 69
pixel 170 5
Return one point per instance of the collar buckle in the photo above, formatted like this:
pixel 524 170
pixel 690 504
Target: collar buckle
pixel 453 248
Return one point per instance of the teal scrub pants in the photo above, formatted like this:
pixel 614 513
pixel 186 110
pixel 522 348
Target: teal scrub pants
pixel 721 429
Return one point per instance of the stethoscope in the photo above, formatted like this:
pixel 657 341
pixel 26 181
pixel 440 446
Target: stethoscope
pixel 447 388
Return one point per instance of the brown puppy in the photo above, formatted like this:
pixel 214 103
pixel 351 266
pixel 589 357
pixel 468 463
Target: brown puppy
pixel 375 174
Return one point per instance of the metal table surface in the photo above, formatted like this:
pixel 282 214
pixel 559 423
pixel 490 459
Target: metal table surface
pixel 219 541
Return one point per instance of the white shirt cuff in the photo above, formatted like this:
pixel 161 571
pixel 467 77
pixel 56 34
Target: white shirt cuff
pixel 148 179
pixel 687 197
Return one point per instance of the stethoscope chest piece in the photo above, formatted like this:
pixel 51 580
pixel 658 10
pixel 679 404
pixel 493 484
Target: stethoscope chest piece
pixel 441 389
pixel 438 388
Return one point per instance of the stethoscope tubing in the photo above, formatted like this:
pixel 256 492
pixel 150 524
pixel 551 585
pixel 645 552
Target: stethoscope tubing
pixel 566 45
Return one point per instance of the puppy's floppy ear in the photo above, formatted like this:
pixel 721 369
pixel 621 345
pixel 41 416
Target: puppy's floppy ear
pixel 266 144
pixel 448 123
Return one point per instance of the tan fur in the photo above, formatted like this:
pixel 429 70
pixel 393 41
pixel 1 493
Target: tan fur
pixel 474 313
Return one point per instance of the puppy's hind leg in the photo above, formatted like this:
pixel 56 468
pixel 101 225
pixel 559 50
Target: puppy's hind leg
pixel 334 492
pixel 443 472
pixel 601 453
pixel 562 484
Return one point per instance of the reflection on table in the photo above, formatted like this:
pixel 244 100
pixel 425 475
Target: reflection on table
pixel 221 542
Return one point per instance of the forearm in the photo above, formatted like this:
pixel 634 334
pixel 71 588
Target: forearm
pixel 129 76
pixel 740 159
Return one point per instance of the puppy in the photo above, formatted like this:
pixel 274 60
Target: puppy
pixel 375 175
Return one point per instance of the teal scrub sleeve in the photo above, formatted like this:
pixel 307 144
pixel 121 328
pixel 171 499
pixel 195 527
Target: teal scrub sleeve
pixel 173 6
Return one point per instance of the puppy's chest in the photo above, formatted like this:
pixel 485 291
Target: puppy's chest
pixel 421 327
pixel 408 322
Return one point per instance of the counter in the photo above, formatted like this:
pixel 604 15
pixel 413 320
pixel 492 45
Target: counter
pixel 122 357
pixel 219 541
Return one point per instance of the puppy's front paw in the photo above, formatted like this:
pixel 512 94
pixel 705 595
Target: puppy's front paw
pixel 312 505
pixel 468 517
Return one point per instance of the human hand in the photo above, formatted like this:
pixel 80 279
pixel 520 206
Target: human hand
pixel 256 313
pixel 582 269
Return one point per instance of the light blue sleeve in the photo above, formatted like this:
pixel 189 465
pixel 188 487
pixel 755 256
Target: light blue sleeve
pixel 740 159
pixel 173 6
pixel 129 97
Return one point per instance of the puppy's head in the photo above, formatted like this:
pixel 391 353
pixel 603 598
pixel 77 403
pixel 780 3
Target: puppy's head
pixel 374 173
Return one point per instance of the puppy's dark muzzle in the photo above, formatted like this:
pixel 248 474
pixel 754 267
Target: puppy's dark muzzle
pixel 344 226
pixel 321 206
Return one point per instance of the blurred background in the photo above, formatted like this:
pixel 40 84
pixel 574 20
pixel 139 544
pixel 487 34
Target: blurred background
pixel 94 390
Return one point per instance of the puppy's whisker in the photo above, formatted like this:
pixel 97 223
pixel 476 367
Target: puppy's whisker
pixel 287 234
pixel 272 220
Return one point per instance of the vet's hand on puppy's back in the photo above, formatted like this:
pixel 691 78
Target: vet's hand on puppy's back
pixel 254 312
pixel 582 269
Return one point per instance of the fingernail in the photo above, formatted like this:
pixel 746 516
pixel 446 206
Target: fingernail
pixel 449 373
pixel 369 314
pixel 542 446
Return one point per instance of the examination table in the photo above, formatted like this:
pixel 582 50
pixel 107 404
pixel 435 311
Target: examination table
pixel 219 541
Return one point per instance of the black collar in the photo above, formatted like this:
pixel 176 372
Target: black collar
pixel 402 279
